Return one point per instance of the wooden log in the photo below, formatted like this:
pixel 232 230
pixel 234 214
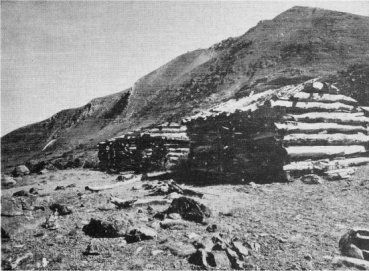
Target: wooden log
pixel 349 118
pixel 111 186
pixel 323 151
pixel 326 139
pixel 350 263
pixel 325 164
pixel 172 136
pixel 336 106
pixel 166 130
pixel 339 174
pixel 318 97
pixel 182 150
pixel 302 127
pixel 120 203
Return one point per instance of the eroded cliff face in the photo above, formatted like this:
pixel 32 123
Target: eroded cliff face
pixel 298 44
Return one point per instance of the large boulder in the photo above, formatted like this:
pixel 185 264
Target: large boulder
pixel 105 229
pixel 21 170
pixel 189 209
pixel 355 243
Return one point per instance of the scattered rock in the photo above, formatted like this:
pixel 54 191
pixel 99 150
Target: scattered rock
pixel 51 223
pixel 61 209
pixel 7 181
pixel 189 209
pixel 150 209
pixel 45 262
pixel 236 263
pixel 4 235
pixel 140 234
pixel 308 257
pixel 355 243
pixel 180 249
pixel 193 236
pixel 202 258
pixel 211 228
pixel 204 243
pixel 221 260
pixel 43 171
pixel 156 252
pixel 219 242
pixel 11 207
pixel 5 265
pixel 60 187
pixel 174 224
pixel 254 246
pixel 253 185
pixel 106 207
pixel 18 179
pixel 71 185
pixel 105 229
pixel 92 249
pixel 33 191
pixel 21 170
pixel 282 240
pixel 240 249
pixel 311 179
pixel 21 193
pixel 307 265
pixel 39 234
pixel 138 250
pixel 174 216
pixel 73 232
pixel 26 256
pixel 160 216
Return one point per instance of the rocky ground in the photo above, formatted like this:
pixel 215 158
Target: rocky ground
pixel 279 226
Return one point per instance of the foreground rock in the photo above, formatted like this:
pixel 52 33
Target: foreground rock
pixel 92 249
pixel 220 253
pixel 140 234
pixel 7 181
pixel 61 209
pixel 355 243
pixel 105 229
pixel 312 179
pixel 51 223
pixel 189 209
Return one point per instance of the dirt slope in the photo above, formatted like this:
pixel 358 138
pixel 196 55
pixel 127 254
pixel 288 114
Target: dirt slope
pixel 298 44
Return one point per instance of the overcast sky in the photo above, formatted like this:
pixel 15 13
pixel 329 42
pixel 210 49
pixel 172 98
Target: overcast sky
pixel 58 55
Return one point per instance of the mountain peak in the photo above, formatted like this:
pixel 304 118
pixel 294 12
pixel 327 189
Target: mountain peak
pixel 300 43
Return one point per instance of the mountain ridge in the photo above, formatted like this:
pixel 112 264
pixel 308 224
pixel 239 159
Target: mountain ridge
pixel 298 44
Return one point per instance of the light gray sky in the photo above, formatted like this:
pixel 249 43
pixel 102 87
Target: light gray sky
pixel 58 55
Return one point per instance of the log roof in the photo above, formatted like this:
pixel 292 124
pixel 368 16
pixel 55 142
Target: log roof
pixel 311 94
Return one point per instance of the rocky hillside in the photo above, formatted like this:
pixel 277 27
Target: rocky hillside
pixel 298 44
